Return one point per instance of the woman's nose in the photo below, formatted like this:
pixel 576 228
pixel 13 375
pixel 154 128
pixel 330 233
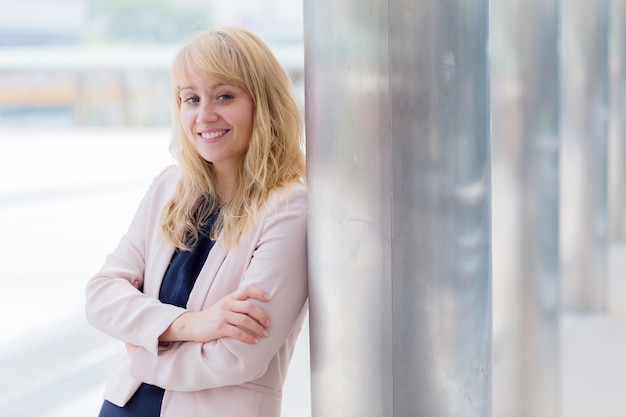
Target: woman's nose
pixel 206 113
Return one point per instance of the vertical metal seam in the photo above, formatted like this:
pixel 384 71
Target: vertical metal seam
pixel 391 205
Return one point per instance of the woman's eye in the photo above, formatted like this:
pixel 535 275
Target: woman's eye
pixel 224 97
pixel 191 99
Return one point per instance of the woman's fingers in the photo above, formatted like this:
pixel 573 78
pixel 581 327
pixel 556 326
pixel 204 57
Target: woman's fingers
pixel 236 316
pixel 244 319
pixel 249 291
pixel 250 324
pixel 240 334
pixel 251 310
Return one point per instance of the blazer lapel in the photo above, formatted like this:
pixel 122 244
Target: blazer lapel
pixel 207 274
pixel 155 270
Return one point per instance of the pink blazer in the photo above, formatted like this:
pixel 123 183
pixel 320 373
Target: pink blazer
pixel 225 377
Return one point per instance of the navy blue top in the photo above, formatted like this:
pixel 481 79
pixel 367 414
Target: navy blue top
pixel 177 284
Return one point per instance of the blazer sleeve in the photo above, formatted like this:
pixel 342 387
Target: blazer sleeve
pixel 113 304
pixel 279 266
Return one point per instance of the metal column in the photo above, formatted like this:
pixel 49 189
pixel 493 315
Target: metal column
pixel 397 104
pixel 525 132
pixel 617 122
pixel 584 127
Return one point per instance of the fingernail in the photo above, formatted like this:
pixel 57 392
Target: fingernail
pixel 266 296
pixel 265 333
pixel 268 323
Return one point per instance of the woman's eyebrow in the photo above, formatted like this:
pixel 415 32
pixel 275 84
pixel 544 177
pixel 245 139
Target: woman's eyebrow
pixel 212 87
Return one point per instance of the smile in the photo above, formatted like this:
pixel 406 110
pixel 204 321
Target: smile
pixel 213 135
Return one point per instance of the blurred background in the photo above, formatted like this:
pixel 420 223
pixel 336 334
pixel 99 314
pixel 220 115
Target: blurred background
pixel 84 127
pixel 79 63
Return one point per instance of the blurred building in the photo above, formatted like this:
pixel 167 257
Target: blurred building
pixel 41 22
pixel 106 62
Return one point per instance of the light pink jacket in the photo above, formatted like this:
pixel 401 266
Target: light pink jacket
pixel 226 377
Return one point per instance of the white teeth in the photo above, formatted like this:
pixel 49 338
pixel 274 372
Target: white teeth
pixel 213 135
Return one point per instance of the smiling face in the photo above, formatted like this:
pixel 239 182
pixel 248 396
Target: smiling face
pixel 217 119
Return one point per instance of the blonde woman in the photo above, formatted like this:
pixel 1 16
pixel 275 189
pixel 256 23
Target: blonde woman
pixel 208 287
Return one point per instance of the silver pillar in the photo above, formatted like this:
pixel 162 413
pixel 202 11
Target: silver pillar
pixel 397 107
pixel 617 122
pixel 525 132
pixel 584 120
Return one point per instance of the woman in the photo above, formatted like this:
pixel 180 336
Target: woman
pixel 217 247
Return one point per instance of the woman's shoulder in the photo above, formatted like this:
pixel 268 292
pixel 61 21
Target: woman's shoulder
pixel 292 196
pixel 167 178
pixel 164 184
pixel 169 174
pixel 294 189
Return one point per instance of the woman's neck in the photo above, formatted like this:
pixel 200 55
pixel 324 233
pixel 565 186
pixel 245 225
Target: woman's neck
pixel 225 186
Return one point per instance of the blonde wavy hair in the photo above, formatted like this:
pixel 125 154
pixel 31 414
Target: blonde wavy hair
pixel 274 158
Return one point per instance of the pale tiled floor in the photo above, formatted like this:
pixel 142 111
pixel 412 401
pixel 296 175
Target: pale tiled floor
pixel 593 349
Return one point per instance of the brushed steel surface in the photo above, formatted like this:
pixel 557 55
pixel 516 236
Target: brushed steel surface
pixel 583 168
pixel 348 156
pixel 397 104
pixel 525 139
pixel 617 121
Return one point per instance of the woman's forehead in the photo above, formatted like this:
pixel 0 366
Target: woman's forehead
pixel 195 74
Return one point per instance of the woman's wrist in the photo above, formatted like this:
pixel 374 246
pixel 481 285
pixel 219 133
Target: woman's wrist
pixel 179 330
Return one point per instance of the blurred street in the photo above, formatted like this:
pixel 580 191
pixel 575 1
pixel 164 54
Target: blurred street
pixel 67 196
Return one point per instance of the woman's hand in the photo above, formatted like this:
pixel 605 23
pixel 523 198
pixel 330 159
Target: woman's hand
pixel 233 316
pixel 130 348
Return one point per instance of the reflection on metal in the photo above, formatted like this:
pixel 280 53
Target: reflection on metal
pixel 584 121
pixel 525 131
pixel 397 104
pixel 617 123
